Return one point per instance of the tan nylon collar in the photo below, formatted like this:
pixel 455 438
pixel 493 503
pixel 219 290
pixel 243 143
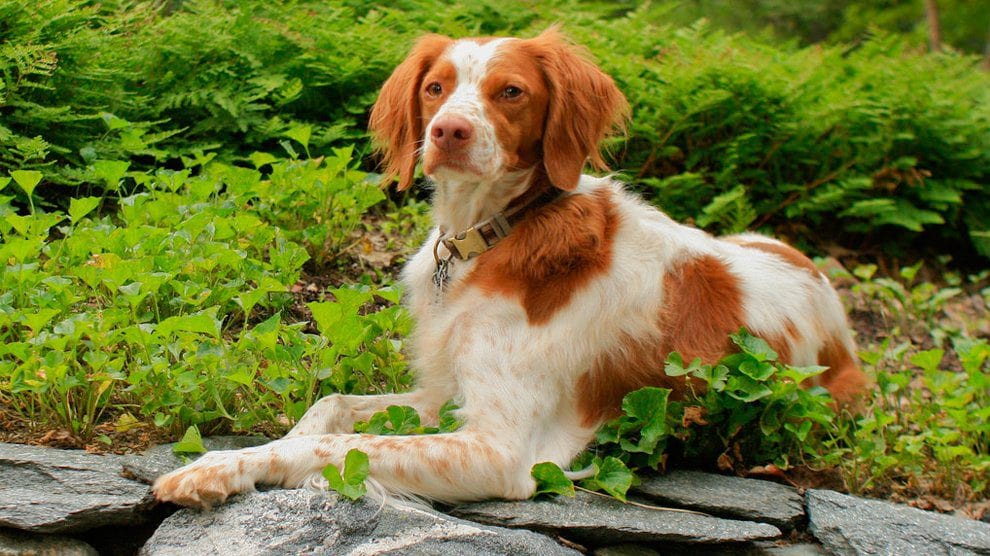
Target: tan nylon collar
pixel 484 235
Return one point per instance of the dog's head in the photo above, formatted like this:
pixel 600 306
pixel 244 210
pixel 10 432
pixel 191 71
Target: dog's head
pixel 482 108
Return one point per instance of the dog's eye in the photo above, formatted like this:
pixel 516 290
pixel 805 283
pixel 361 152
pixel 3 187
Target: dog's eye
pixel 434 89
pixel 511 92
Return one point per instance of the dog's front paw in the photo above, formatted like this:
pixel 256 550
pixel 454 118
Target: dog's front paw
pixel 209 480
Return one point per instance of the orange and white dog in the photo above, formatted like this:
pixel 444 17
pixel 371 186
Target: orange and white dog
pixel 544 295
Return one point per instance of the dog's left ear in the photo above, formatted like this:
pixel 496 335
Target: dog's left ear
pixel 396 122
pixel 585 106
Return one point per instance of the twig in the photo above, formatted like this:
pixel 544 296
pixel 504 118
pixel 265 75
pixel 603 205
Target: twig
pixel 641 505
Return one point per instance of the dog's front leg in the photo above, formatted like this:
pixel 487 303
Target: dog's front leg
pixel 465 465
pixel 337 413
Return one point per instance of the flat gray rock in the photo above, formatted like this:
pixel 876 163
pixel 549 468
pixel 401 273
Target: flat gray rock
pixel 597 520
pixel 56 491
pixel 721 495
pixel 16 543
pixel 158 460
pixel 311 522
pixel 849 525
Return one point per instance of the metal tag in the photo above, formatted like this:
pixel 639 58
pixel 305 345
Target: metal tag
pixel 440 276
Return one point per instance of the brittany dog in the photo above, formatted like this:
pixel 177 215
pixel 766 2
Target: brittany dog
pixel 544 295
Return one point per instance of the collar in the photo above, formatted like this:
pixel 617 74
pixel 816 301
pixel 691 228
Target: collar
pixel 485 234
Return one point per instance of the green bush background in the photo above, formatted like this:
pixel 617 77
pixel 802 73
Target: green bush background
pixel 871 144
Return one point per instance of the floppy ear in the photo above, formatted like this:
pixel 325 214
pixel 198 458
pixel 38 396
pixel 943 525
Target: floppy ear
pixel 395 122
pixel 585 105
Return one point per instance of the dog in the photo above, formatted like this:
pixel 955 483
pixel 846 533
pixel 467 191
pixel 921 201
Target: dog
pixel 543 296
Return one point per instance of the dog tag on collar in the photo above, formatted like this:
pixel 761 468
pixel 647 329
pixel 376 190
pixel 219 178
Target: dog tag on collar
pixel 441 275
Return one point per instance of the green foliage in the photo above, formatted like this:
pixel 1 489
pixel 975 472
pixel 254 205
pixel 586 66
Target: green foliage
pixel 927 426
pixel 318 203
pixel 168 302
pixel 190 443
pixel 873 141
pixel 350 483
pixel 403 420
pixel 550 479
pixel 748 403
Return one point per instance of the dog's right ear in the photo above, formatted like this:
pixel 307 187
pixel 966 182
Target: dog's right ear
pixel 396 122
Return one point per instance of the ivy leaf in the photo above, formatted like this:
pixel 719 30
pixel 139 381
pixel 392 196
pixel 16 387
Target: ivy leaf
pixel 759 371
pixel 758 348
pixel 675 365
pixel 746 389
pixel 648 407
pixel 350 484
pixel 611 476
pixel 191 442
pixel 550 479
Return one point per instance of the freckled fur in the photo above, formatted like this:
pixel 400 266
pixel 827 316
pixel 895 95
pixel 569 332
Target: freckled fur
pixel 538 339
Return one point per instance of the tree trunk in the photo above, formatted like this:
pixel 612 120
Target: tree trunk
pixel 934 28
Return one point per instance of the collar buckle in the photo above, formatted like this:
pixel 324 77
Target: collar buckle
pixel 467 244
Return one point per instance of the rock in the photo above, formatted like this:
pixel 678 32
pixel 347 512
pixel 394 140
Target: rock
pixel 158 460
pixel 735 497
pixel 765 548
pixel 598 520
pixel 626 550
pixel 57 491
pixel 849 525
pixel 16 543
pixel 304 521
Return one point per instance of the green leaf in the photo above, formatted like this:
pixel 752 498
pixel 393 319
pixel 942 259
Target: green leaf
pixel 191 443
pixel 759 371
pixel 550 479
pixel 4 182
pixel 80 207
pixel 758 348
pixel 350 484
pixel 611 476
pixel 675 365
pixel 404 419
pixel 27 180
pixel 301 133
pixel 648 406
pixel 110 172
pixel 746 389
pixel 203 322
pixel 259 159
pixel 928 360
pixel 448 419
pixel 113 122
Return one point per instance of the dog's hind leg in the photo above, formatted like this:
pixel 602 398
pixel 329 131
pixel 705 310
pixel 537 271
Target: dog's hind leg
pixel 337 413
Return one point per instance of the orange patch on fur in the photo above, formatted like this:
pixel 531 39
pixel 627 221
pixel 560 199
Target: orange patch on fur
pixel 793 257
pixel 551 255
pixel 702 306
pixel 843 378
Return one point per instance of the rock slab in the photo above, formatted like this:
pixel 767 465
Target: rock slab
pixel 16 543
pixel 597 520
pixel 60 491
pixel 311 522
pixel 849 525
pixel 158 460
pixel 734 497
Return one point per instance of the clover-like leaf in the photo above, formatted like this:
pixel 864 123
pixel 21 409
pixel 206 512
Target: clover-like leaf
pixel 350 483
